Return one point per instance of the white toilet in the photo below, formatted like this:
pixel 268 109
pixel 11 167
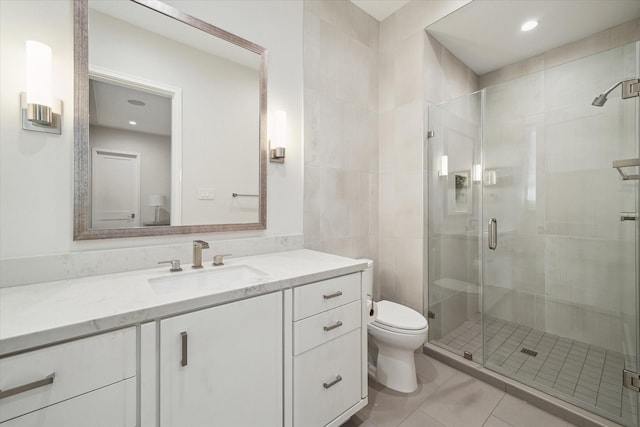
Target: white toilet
pixel 397 332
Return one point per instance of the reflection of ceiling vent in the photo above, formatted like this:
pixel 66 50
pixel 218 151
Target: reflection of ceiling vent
pixel 136 102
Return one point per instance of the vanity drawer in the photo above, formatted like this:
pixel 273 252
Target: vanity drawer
pixel 111 406
pixel 321 296
pixel 327 381
pixel 323 327
pixel 75 367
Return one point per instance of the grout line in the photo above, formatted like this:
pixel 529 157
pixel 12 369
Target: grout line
pixel 546 357
pixel 535 346
pixel 563 362
pixel 494 408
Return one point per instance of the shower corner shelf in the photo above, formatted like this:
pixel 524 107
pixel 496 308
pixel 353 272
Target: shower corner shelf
pixel 627 163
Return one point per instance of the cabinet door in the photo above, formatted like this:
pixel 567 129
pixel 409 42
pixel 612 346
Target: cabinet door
pixel 223 366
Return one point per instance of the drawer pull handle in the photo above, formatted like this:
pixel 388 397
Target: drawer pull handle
pixel 335 325
pixel 333 295
pixel 26 387
pixel 183 337
pixel 332 383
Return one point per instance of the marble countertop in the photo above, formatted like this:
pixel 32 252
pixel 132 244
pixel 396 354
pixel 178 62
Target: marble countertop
pixel 44 313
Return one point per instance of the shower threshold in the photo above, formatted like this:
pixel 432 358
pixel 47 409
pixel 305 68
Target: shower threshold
pixel 583 374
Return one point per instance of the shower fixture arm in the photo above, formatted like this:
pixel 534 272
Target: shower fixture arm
pixel 630 89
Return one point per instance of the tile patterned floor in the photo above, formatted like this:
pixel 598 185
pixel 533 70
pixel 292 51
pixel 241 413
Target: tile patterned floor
pixel 585 372
pixel 448 398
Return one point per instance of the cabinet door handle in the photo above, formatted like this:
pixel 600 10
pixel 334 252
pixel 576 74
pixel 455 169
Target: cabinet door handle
pixel 26 387
pixel 332 383
pixel 335 325
pixel 333 295
pixel 183 338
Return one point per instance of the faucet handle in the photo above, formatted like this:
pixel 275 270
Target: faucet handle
pixel 217 259
pixel 175 265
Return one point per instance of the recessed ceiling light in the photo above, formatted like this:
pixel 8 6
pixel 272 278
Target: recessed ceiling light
pixel 529 25
pixel 136 102
pixel 132 123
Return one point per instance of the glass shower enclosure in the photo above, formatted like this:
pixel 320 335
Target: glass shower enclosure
pixel 533 237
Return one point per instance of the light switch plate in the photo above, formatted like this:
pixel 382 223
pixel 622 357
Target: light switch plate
pixel 206 193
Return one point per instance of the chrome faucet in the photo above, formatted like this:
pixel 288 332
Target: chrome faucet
pixel 198 246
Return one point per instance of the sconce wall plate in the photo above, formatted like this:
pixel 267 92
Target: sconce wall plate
pixel 277 155
pixel 56 122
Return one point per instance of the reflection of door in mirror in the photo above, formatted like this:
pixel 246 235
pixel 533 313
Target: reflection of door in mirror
pixel 115 187
pixel 124 119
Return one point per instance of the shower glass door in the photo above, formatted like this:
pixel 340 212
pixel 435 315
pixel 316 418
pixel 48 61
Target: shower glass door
pixel 453 165
pixel 560 281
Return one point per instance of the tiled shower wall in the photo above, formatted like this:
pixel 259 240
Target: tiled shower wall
pixel 365 86
pixel 340 129
pixel 599 42
pixel 414 69
pixel 570 266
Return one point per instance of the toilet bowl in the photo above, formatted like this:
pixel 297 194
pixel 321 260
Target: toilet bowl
pixel 397 333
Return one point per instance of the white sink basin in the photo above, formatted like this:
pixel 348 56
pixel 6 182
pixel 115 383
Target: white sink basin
pixel 218 278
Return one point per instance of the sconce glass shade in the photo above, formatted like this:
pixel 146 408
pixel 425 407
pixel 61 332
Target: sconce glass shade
pixel 476 173
pixel 444 166
pixel 278 141
pixel 37 103
pixel 38 74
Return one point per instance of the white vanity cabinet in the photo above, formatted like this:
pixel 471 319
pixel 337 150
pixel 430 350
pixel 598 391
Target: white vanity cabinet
pixel 88 381
pixel 327 351
pixel 223 365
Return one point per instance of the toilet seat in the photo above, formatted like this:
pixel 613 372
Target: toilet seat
pixel 399 318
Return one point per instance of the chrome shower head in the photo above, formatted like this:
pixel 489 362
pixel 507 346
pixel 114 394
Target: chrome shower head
pixel 602 98
pixel 599 100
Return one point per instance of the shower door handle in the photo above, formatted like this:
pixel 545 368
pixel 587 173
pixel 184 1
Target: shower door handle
pixel 493 234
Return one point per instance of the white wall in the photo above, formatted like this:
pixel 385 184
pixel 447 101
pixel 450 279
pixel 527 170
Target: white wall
pixel 341 129
pixel 155 163
pixel 36 169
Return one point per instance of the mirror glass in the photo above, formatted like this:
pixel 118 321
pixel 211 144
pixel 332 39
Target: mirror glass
pixel 170 123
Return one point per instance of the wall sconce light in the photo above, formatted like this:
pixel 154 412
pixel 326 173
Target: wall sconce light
pixel 476 173
pixel 278 141
pixel 156 201
pixel 37 106
pixel 444 166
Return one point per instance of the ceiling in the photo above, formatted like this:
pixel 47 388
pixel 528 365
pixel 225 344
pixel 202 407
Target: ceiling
pixel 110 107
pixel 485 34
pixel 380 9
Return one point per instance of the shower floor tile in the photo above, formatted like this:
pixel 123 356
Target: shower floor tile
pixel 588 373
